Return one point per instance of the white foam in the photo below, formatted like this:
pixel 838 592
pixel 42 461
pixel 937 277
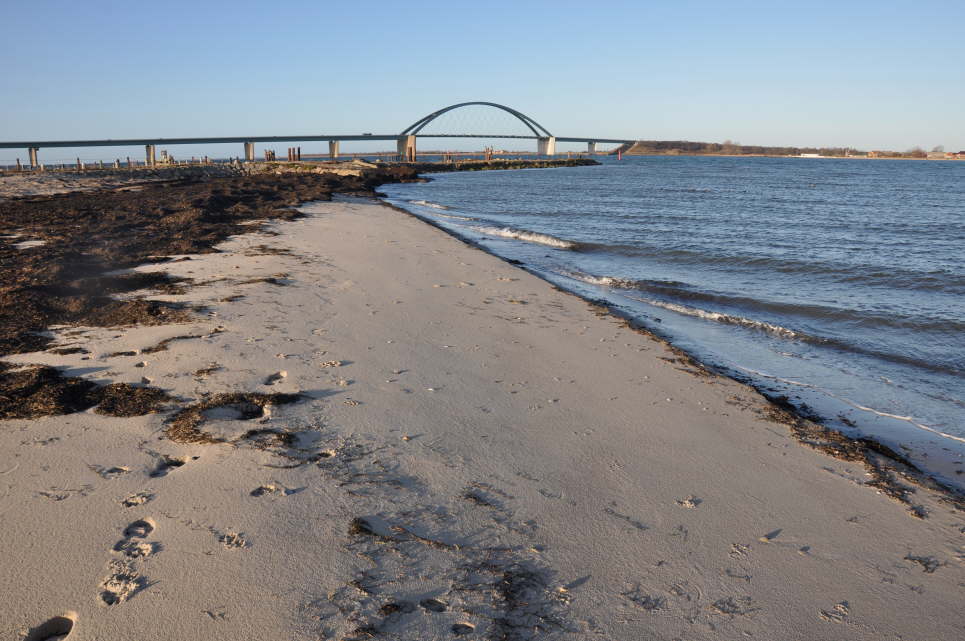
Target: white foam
pixel 426 203
pixel 527 236
pixel 718 317
pixel 603 281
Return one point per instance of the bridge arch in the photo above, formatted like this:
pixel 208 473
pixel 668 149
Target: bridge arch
pixel 534 126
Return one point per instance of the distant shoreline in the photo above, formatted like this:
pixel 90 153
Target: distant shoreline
pixel 791 156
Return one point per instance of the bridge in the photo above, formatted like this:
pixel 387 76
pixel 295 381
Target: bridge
pixel 405 141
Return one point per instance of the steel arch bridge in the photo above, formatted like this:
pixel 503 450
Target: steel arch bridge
pixel 539 131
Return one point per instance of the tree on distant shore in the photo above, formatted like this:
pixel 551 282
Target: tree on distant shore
pixel 938 148
pixel 916 152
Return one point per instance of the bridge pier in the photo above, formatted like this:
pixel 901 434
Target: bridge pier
pixel 591 148
pixel 546 146
pixel 333 149
pixel 249 152
pixel 33 157
pixel 406 148
pixel 149 155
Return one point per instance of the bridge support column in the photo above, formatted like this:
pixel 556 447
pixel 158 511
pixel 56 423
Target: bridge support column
pixel 33 157
pixel 546 146
pixel 406 148
pixel 333 149
pixel 591 148
pixel 149 155
pixel 249 152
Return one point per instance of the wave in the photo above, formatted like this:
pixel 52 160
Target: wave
pixel 682 291
pixel 426 203
pixel 772 329
pixel 869 275
pixel 527 236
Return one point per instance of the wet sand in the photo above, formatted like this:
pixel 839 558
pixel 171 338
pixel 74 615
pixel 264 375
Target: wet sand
pixel 374 430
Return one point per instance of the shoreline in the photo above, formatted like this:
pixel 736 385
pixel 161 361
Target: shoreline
pixel 467 455
pixel 810 428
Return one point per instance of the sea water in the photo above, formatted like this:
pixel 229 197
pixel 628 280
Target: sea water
pixel 839 283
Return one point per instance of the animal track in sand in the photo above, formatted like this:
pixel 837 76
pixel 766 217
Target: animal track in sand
pixel 837 614
pixel 628 519
pixel 734 606
pixel 62 494
pixel 55 629
pixel 233 540
pixel 648 602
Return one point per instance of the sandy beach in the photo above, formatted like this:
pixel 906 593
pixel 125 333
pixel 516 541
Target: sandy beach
pixel 373 430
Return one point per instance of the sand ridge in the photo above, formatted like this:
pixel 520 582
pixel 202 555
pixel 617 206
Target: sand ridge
pixel 467 452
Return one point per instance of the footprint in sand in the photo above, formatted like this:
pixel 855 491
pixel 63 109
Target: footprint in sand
pixel 137 499
pixel 770 536
pixel 276 377
pixel 168 463
pixel 139 529
pixel 433 605
pixel 837 614
pixel 460 629
pixel 271 488
pixel 690 502
pixel 124 580
pixel 131 545
pixel 55 629
pixel 109 472
pixel 121 585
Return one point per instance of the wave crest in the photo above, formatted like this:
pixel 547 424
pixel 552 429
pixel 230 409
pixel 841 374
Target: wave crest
pixel 426 203
pixel 527 236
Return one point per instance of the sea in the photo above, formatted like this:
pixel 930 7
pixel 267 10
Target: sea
pixel 837 283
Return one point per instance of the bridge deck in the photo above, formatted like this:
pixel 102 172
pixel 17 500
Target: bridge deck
pixel 130 142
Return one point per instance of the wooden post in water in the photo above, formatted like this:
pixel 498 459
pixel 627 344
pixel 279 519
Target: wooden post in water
pixel 19 166
pixel 299 154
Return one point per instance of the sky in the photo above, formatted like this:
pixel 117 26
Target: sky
pixel 869 75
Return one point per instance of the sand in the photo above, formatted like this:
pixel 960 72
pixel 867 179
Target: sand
pixel 382 432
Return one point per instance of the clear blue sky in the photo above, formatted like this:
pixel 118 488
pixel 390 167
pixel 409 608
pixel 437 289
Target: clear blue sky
pixel 863 74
